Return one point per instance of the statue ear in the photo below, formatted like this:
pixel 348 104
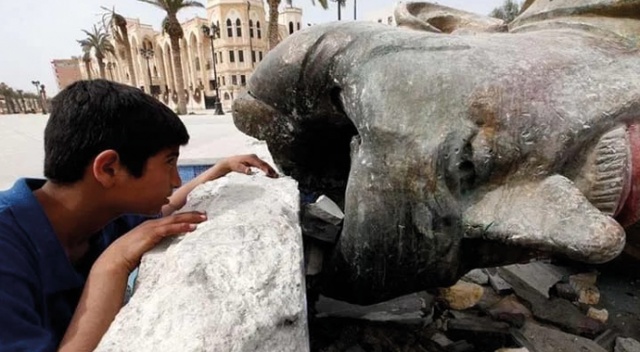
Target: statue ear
pixel 441 19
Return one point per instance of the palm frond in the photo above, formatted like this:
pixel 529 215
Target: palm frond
pixel 157 3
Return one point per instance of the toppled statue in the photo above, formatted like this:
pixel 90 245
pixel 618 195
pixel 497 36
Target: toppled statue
pixel 457 141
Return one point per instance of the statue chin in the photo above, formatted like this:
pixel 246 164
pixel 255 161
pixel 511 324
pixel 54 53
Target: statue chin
pixel 456 141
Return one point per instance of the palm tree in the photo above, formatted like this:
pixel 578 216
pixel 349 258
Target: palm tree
pixel 98 42
pixel 118 29
pixel 172 27
pixel 86 58
pixel 274 34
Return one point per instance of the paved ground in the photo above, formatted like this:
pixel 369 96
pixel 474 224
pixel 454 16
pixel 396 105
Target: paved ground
pixel 22 152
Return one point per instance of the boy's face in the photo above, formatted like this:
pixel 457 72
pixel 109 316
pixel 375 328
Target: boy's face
pixel 148 193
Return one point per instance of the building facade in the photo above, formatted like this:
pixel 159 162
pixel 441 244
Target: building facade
pixel 66 71
pixel 242 43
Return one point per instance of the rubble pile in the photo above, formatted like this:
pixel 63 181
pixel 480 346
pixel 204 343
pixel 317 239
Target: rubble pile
pixel 541 306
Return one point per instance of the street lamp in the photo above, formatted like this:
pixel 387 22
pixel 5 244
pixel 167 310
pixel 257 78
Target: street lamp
pixel 40 90
pixel 147 53
pixel 214 32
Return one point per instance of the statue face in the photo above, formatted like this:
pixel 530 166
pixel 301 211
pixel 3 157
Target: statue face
pixel 449 152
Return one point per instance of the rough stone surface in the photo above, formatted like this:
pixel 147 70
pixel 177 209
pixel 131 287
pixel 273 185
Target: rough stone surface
pixel 626 345
pixel 235 284
pixel 450 152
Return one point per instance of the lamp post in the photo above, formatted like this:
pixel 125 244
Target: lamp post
pixel 147 53
pixel 39 90
pixel 214 32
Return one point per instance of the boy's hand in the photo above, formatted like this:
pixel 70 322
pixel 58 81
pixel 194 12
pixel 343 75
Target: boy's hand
pixel 125 253
pixel 241 164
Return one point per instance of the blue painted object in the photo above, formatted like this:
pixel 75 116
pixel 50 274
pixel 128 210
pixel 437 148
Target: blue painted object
pixel 189 172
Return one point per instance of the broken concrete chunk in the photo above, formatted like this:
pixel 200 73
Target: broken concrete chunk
pixel 601 315
pixel 409 309
pixel 626 345
pixel 511 310
pixel 538 276
pixel 234 284
pixel 556 311
pixel 496 281
pixel 542 339
pixel 462 295
pixel 584 286
pixel 476 276
pixel 322 219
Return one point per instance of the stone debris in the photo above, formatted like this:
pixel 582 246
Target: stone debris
pixel 627 345
pixel 462 295
pixel 476 276
pixel 600 315
pixel 531 307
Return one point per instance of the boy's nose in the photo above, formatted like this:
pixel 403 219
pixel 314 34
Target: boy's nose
pixel 176 181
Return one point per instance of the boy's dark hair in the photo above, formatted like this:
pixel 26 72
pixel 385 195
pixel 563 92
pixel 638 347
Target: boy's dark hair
pixel 89 117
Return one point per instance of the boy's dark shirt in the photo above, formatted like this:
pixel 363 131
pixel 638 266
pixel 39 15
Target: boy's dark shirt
pixel 39 287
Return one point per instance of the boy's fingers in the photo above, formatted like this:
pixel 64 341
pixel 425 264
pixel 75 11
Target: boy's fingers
pixel 186 217
pixel 174 229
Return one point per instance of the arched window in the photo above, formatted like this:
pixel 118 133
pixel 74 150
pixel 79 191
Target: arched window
pixel 226 96
pixel 258 29
pixel 238 28
pixel 251 28
pixel 290 27
pixel 229 28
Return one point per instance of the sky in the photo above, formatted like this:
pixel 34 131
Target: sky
pixel 34 32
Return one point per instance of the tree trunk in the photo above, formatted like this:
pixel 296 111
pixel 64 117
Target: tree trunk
pixel 87 66
pixel 177 61
pixel 274 33
pixel 129 56
pixel 101 65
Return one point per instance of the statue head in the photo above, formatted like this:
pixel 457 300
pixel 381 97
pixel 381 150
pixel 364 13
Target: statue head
pixel 457 141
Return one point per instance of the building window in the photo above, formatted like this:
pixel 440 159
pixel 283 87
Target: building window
pixel 253 56
pixel 212 85
pixel 251 28
pixel 241 55
pixel 238 28
pixel 298 25
pixel 232 57
pixel 216 58
pixel 258 29
pixel 243 80
pixel 260 55
pixel 226 96
pixel 290 27
pixel 221 57
pixel 197 66
pixel 234 80
pixel 223 81
pixel 229 28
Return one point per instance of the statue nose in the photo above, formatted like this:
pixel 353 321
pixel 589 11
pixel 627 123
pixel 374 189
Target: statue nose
pixel 254 117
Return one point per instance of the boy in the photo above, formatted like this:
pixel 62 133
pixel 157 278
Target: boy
pixel 67 244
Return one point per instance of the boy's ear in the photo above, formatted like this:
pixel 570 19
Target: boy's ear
pixel 106 167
